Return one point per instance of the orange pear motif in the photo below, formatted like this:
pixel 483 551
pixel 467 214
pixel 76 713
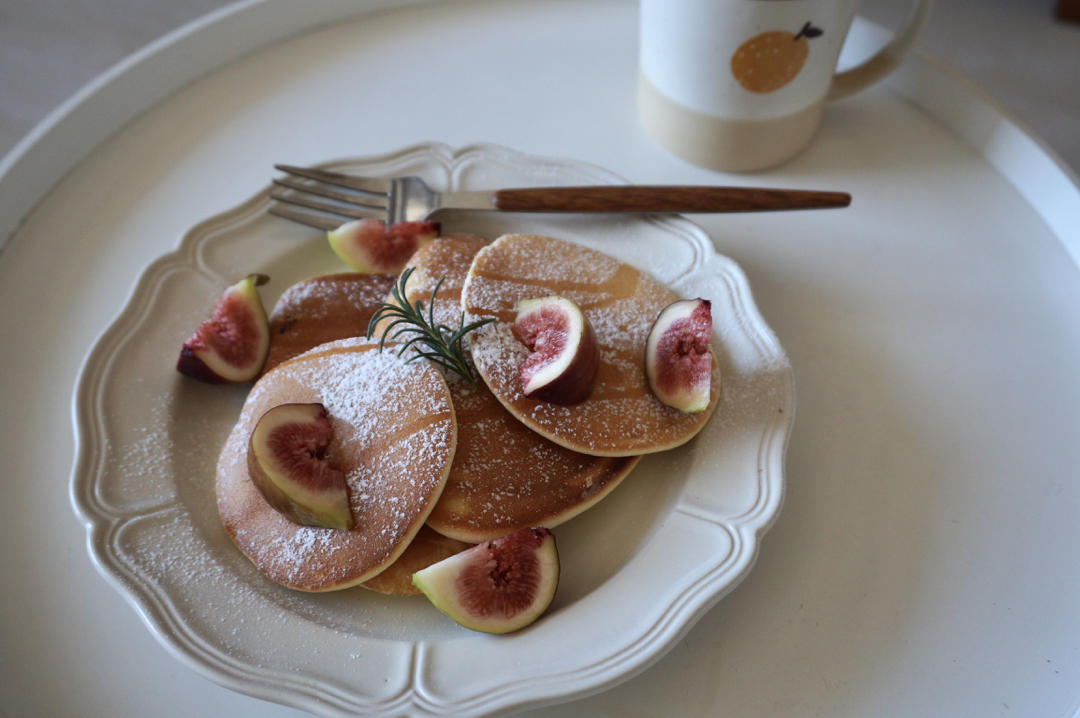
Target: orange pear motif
pixel 768 61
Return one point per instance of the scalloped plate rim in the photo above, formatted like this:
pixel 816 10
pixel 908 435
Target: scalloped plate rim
pixel 311 694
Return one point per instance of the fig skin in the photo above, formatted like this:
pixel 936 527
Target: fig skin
pixel 678 358
pixel 273 461
pixel 574 382
pixel 497 586
pixel 368 246
pixel 230 346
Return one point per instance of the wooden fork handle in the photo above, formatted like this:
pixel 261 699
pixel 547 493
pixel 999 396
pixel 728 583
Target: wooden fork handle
pixel 664 198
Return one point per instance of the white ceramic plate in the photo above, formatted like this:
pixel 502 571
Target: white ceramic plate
pixel 638 570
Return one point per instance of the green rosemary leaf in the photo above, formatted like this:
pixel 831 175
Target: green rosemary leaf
pixel 404 330
pixel 435 342
pixel 375 317
pixel 437 358
pixel 406 345
pixel 431 306
pixel 457 336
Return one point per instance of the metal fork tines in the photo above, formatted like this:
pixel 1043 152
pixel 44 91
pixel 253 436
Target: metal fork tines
pixel 336 197
pixel 315 189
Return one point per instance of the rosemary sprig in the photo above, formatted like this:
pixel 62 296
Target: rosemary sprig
pixel 435 342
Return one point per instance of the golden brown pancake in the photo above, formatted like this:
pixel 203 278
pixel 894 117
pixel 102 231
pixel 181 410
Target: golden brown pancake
pixel 323 309
pixel 504 476
pixel 394 438
pixel 427 547
pixel 448 256
pixel 338 306
pixel 621 417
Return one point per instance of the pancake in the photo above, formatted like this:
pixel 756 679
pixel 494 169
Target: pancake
pixel 322 309
pixel 338 306
pixel 504 476
pixel 621 417
pixel 427 547
pixel 449 257
pixel 394 438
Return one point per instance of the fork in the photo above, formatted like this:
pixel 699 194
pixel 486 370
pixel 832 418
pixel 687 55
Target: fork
pixel 338 197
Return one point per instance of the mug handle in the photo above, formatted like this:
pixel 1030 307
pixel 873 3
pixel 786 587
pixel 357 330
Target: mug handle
pixel 884 60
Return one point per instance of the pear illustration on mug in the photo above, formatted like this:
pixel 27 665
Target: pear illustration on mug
pixel 768 61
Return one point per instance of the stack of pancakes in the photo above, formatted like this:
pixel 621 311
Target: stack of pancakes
pixel 435 463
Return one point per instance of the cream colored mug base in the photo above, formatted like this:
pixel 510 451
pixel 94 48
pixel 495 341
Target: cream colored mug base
pixel 722 144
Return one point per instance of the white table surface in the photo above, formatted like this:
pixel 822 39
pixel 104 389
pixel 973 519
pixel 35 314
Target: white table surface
pixel 93 657
pixel 1014 49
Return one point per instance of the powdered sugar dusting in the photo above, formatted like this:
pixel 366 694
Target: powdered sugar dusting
pixel 139 462
pixel 621 416
pixel 319 297
pixel 323 309
pixel 251 627
pixel 394 437
pixel 443 263
pixel 504 476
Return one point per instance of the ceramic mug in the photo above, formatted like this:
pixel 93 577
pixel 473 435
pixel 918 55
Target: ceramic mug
pixel 740 85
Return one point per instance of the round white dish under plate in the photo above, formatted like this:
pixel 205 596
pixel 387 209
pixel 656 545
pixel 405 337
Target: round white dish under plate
pixel 679 533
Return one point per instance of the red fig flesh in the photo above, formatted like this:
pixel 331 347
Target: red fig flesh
pixel 678 360
pixel 287 462
pixel 370 247
pixel 565 356
pixel 497 586
pixel 231 345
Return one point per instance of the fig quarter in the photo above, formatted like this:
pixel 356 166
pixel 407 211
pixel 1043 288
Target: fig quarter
pixel 678 359
pixel 564 354
pixel 287 462
pixel 230 346
pixel 497 586
pixel 370 247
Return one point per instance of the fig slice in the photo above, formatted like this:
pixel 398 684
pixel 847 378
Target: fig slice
pixel 678 359
pixel 287 462
pixel 370 247
pixel 231 345
pixel 564 355
pixel 497 586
